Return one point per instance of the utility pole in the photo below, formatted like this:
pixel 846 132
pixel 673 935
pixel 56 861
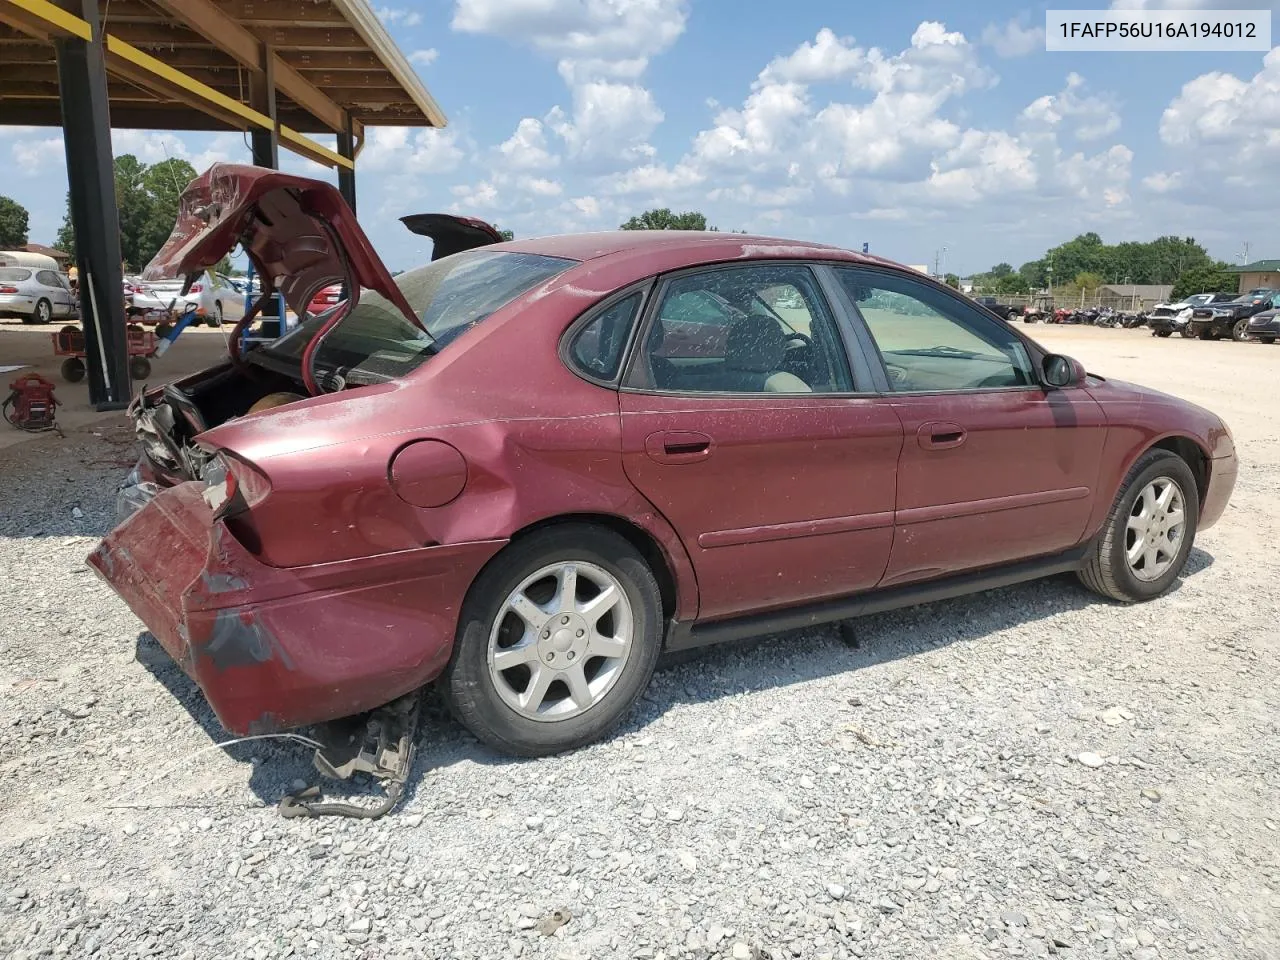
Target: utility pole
pixel 1244 257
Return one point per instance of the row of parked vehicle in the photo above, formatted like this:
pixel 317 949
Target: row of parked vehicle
pixel 1213 316
pixel 1254 315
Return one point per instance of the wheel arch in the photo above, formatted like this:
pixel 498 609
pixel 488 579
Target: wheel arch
pixel 1192 453
pixel 644 541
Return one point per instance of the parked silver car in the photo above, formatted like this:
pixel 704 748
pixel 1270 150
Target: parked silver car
pixel 35 295
pixel 215 298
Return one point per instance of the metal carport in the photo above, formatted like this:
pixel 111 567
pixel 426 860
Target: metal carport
pixel 278 69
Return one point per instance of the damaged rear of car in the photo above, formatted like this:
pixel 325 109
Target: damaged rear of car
pixel 260 580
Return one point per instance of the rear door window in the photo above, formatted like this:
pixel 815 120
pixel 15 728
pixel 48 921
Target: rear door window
pixel 597 348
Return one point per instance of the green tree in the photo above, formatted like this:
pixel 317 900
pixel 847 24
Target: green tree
pixel 163 183
pixel 135 209
pixel 1000 270
pixel 1088 282
pixel 952 281
pixel 1213 278
pixel 14 223
pixel 1011 284
pixel 505 234
pixel 664 219
pixel 66 240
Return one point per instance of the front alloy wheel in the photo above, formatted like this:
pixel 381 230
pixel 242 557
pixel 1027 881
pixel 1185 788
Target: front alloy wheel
pixel 1240 331
pixel 1148 534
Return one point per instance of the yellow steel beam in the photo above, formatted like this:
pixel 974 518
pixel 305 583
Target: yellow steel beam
pixel 206 98
pixel 43 19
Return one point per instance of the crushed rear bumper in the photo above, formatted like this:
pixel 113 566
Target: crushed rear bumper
pixel 278 648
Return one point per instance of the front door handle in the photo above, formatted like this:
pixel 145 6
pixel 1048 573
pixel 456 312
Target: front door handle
pixel 677 446
pixel 941 435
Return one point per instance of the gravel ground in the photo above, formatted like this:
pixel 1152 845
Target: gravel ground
pixel 1025 772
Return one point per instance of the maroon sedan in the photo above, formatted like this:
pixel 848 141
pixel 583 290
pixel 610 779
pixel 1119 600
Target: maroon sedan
pixel 523 470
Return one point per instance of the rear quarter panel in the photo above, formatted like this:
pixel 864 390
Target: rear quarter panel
pixel 539 443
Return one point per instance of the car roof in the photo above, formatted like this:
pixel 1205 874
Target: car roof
pixel 695 246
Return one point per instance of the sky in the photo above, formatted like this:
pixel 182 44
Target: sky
pixel 933 131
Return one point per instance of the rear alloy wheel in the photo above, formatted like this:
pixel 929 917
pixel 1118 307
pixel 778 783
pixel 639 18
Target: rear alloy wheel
pixel 1186 332
pixel 215 318
pixel 1240 332
pixel 1148 533
pixel 557 639
pixel 42 313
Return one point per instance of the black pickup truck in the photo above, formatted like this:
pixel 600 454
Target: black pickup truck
pixel 998 308
pixel 1231 319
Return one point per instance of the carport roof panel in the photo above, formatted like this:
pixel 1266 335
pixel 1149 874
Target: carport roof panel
pixel 330 56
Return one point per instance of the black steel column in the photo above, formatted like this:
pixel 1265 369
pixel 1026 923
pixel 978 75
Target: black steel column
pixel 86 136
pixel 262 97
pixel 265 145
pixel 347 175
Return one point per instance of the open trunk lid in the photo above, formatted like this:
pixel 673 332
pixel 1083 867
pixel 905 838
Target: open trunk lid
pixel 451 234
pixel 299 233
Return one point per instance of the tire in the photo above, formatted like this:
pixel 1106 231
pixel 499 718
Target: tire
pixel 1106 570
pixel 42 313
pixel 1240 332
pixel 1163 333
pixel 162 329
pixel 473 690
pixel 1185 333
pixel 1267 339
pixel 215 319
pixel 139 368
pixel 1207 334
pixel 73 369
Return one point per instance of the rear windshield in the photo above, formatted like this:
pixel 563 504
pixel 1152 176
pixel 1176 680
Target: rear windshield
pixel 14 275
pixel 375 342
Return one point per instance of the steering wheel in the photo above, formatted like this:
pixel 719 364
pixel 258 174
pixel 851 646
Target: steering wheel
pixel 802 339
pixel 898 376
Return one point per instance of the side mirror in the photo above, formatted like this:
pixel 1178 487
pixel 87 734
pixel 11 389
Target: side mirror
pixel 1061 372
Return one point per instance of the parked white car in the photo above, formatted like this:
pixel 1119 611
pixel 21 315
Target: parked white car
pixel 35 295
pixel 214 295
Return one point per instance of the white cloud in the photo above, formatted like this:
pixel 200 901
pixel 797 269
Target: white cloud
pixel 399 16
pixel 827 58
pixel 610 121
pixel 1224 135
pixel 526 149
pixel 412 152
pixel 1087 117
pixel 1013 38
pixel 579 30
pixel 424 58
pixel 33 157
pixel 540 186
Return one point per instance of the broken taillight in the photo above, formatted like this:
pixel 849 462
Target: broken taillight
pixel 232 486
pixel 196 288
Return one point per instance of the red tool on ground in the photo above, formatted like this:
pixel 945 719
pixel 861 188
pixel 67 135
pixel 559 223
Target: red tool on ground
pixel 31 405
pixel 69 342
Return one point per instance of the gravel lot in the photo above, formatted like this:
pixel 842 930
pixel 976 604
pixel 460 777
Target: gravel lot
pixel 1021 773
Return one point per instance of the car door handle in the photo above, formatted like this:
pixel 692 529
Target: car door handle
pixel 677 446
pixel 941 435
